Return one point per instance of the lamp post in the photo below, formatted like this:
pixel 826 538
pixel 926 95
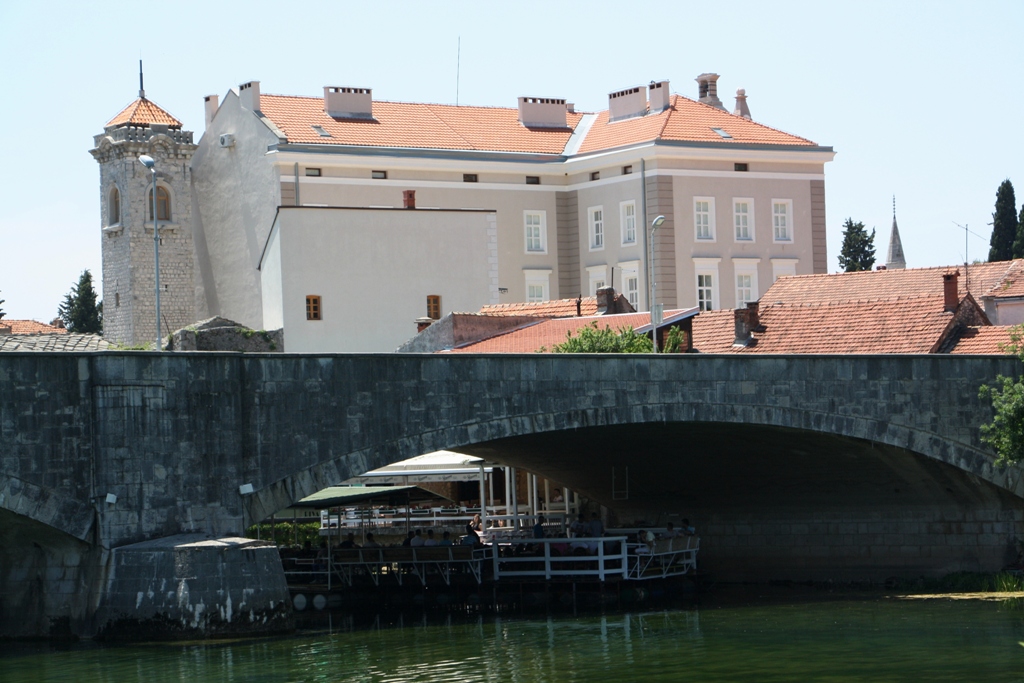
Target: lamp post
pixel 655 224
pixel 150 163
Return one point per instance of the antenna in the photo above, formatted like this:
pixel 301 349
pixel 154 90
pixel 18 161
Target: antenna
pixel 142 91
pixel 967 231
pixel 458 65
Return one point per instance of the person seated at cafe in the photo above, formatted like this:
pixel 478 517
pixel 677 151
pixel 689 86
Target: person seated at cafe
pixel 349 542
pixel 417 539
pixel 578 528
pixel 370 543
pixel 431 541
pixel 408 540
pixel 686 529
pixel 538 528
pixel 671 531
pixel 475 523
pixel 446 539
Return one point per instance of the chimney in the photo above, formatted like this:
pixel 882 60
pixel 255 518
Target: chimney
pixel 880 267
pixel 542 112
pixel 249 94
pixel 754 316
pixel 950 295
pixel 423 323
pixel 741 104
pixel 627 104
pixel 210 102
pixel 606 300
pixel 348 103
pixel 658 96
pixel 708 90
pixel 742 327
pixel 409 199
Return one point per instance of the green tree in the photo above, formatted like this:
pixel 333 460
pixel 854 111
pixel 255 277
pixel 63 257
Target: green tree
pixel 1005 239
pixel 79 311
pixel 1006 431
pixel 592 339
pixel 675 341
pixel 858 252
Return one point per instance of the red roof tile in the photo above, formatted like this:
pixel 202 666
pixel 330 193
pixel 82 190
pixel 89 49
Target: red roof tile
pixel 143 112
pixel 685 120
pixel 983 340
pixel 404 124
pixel 714 331
pixel 30 327
pixel 559 308
pixel 1011 283
pixel 547 333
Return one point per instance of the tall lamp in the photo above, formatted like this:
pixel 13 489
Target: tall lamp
pixel 150 163
pixel 655 224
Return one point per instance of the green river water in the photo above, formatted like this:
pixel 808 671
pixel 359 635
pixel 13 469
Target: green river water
pixel 850 639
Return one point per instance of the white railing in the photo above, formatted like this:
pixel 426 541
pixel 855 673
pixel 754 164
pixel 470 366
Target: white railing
pixel 665 557
pixel 553 557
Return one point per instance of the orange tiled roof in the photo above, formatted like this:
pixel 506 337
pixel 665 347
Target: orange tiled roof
pixel 445 126
pixel 404 124
pixel 685 120
pixel 983 340
pixel 548 333
pixel 30 327
pixel 143 112
pixel 714 331
pixel 882 285
pixel 559 308
pixel 1011 284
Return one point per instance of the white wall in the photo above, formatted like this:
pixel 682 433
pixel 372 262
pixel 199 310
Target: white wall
pixel 373 270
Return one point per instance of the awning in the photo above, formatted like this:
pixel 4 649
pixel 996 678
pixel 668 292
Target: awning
pixel 346 496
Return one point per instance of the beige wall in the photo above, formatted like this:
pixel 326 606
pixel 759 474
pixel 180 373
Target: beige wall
pixel 373 270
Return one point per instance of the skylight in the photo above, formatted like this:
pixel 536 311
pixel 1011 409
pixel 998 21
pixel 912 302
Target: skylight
pixel 722 133
pixel 320 130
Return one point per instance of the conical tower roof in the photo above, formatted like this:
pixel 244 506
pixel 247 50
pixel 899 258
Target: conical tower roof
pixel 894 260
pixel 143 113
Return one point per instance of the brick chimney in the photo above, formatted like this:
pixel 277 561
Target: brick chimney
pixel 950 295
pixel 423 323
pixel 409 199
pixel 742 327
pixel 605 300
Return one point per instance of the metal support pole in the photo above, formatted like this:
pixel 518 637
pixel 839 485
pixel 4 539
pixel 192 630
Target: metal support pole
pixel 483 500
pixel 156 260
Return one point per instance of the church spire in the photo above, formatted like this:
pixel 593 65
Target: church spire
pixel 894 260
pixel 142 91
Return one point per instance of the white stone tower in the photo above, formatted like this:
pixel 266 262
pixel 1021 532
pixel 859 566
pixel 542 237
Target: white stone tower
pixel 129 294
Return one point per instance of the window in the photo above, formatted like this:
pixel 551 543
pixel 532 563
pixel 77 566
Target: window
pixel 434 306
pixel 114 207
pixel 781 220
pixel 117 299
pixel 596 175
pixel 313 172
pixel 704 218
pixel 740 167
pixel 746 280
pixel 627 218
pixel 722 133
pixel 537 284
pixel 321 132
pixel 313 310
pixel 743 219
pixel 534 223
pixel 469 177
pixel 705 291
pixel 596 214
pixel 533 180
pixel 706 276
pixel 598 277
pixel 626 170
pixel 631 282
pixel 163 204
pixel 379 175
pixel 783 266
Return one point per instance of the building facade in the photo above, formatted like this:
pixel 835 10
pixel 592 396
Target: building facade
pixel 573 194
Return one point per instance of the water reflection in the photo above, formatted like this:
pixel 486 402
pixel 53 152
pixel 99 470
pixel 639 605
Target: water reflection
pixel 836 641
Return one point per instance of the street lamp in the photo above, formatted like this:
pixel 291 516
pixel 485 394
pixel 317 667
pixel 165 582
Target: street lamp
pixel 655 224
pixel 150 163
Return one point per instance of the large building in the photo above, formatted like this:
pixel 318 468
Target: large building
pixel 550 202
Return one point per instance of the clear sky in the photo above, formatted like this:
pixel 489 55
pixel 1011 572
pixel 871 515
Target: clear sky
pixel 923 100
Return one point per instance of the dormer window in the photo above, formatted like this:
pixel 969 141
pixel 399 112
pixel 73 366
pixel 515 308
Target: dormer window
pixel 321 132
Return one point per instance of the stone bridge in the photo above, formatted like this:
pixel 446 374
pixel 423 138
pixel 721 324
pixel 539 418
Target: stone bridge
pixel 794 467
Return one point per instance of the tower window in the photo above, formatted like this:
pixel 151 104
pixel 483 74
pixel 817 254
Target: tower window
pixel 434 306
pixel 114 207
pixel 740 167
pixel 533 180
pixel 626 170
pixel 313 172
pixel 595 175
pixel 379 175
pixel 313 310
pixel 163 204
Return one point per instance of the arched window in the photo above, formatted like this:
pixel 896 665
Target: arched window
pixel 114 207
pixel 163 204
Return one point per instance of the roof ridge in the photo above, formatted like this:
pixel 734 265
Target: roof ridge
pixel 744 118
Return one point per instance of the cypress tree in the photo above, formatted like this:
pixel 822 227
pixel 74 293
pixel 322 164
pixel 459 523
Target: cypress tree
pixel 858 252
pixel 79 311
pixel 1005 241
pixel 2 314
